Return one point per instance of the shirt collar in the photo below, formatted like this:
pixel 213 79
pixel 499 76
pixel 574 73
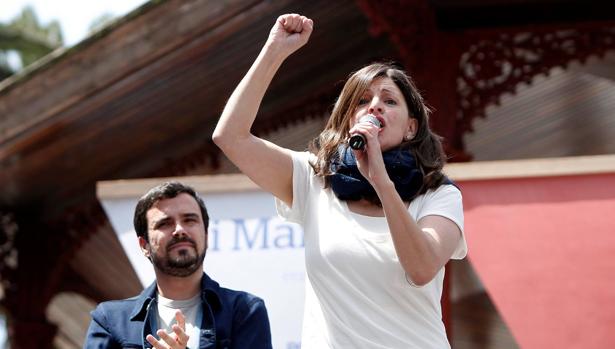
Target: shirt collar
pixel 210 292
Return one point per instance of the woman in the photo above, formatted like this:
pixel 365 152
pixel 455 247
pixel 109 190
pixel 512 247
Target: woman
pixel 380 223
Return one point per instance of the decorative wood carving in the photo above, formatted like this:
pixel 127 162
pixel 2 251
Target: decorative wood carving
pixel 464 72
pixel 38 273
pixel 33 282
pixel 496 63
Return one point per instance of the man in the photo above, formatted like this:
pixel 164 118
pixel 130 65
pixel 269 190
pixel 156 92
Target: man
pixel 184 308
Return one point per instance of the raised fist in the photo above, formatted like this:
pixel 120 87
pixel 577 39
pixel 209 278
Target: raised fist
pixel 290 32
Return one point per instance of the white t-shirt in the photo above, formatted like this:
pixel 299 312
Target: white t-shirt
pixel 191 308
pixel 357 295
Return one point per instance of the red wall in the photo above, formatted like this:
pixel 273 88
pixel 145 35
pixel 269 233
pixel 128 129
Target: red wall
pixel 545 250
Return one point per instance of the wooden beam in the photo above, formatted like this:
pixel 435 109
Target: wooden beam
pixel 203 184
pixel 108 58
pixel 480 170
pixel 563 166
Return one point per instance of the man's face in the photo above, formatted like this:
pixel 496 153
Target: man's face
pixel 177 237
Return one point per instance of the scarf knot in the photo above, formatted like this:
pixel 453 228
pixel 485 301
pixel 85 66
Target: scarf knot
pixel 349 184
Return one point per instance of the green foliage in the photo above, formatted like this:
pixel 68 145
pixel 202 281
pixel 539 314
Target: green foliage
pixel 28 38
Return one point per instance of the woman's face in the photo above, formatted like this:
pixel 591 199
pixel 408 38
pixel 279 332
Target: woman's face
pixel 385 101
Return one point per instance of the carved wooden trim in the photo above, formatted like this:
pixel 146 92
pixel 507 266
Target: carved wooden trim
pixel 79 223
pixel 491 62
pixel 496 64
pixel 45 248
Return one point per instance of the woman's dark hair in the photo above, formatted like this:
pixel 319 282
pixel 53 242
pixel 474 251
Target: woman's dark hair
pixel 166 190
pixel 426 146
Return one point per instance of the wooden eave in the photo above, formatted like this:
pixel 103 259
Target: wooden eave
pixel 134 99
pixel 144 95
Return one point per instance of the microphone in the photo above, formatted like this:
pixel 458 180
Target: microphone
pixel 357 141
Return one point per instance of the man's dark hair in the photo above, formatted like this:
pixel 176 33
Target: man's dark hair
pixel 166 190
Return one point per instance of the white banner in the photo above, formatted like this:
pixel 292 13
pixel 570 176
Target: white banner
pixel 250 249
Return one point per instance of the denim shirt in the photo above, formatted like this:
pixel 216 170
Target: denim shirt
pixel 231 320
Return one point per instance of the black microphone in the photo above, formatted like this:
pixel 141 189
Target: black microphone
pixel 357 141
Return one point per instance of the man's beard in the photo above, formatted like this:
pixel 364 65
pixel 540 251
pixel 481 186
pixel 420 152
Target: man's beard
pixel 182 265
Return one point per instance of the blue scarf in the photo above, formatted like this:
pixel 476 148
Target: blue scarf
pixel 348 184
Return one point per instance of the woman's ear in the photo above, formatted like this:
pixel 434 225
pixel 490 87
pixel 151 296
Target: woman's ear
pixel 413 125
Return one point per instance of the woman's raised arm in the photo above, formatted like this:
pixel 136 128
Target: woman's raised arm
pixel 267 164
